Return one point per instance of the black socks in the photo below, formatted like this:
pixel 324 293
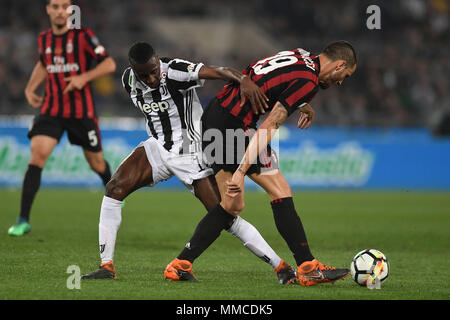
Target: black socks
pixel 208 230
pixel 286 218
pixel 31 184
pixel 106 176
pixel 291 229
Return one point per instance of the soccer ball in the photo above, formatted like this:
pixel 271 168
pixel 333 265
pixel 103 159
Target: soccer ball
pixel 369 267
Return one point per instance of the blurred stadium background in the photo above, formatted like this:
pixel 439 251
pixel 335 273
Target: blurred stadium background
pixel 398 98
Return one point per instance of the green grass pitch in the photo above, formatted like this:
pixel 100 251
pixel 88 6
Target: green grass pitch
pixel 411 229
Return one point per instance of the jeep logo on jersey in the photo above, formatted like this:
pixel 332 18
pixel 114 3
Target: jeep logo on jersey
pixel 160 106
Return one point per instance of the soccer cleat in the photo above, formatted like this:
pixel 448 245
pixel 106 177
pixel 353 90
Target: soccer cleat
pixel 313 272
pixel 105 271
pixel 179 270
pixel 285 273
pixel 20 228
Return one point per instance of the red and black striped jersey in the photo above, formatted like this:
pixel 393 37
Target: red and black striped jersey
pixel 290 77
pixel 63 56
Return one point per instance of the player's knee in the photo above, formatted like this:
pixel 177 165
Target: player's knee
pixel 238 208
pixel 114 189
pixel 234 208
pixel 38 158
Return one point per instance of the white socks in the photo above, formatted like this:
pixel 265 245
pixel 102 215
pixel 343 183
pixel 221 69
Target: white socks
pixel 110 218
pixel 253 240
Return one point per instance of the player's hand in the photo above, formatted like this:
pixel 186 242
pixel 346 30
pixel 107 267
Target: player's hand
pixel 306 117
pixel 75 83
pixel 235 185
pixel 33 99
pixel 257 98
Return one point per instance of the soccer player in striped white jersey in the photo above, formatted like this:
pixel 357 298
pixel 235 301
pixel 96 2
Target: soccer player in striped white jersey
pixel 165 92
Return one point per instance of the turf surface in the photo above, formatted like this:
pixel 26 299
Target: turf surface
pixel 411 229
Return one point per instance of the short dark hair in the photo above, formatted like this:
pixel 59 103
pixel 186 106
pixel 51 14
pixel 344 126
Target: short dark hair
pixel 341 50
pixel 48 1
pixel 140 53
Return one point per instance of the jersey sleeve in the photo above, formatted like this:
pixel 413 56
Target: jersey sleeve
pixel 297 93
pixel 41 49
pixel 184 74
pixel 93 46
pixel 127 80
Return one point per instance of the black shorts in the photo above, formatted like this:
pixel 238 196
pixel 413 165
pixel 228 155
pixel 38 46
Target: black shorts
pixel 81 132
pixel 226 152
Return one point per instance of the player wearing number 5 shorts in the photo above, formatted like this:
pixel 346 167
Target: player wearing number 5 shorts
pixel 65 57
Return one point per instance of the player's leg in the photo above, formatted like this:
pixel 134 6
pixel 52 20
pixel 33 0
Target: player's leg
pixel 86 133
pixel 286 218
pixel 232 205
pixel 209 229
pixel 248 233
pixel 98 164
pixel 133 173
pixel 44 135
pixel 41 147
pixel 289 225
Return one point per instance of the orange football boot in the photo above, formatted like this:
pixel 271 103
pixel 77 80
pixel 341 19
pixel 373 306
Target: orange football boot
pixel 313 272
pixel 105 271
pixel 285 273
pixel 179 270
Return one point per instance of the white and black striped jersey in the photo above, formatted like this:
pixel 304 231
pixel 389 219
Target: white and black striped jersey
pixel 173 110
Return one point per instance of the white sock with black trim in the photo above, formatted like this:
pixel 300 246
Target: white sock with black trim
pixel 110 219
pixel 254 241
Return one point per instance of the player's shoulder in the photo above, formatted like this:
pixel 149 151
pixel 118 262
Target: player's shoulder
pixel 44 33
pixel 178 65
pixel 176 62
pixel 308 61
pixel 166 60
pixel 127 76
pixel 85 29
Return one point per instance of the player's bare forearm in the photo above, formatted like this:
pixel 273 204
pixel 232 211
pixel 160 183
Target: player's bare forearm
pixel 249 90
pixel 78 82
pixel 224 73
pixel 103 68
pixel 38 75
pixel 263 136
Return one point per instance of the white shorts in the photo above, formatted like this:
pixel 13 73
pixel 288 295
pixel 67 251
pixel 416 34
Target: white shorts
pixel 165 164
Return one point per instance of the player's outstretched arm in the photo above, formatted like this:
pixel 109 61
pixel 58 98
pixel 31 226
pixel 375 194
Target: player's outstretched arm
pixel 249 90
pixel 78 82
pixel 38 75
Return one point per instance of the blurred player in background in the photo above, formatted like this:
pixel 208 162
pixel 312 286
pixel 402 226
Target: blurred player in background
pixel 165 91
pixel 66 54
pixel 290 79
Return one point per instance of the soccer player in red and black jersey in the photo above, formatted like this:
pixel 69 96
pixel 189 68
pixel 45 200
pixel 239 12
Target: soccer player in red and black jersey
pixel 66 55
pixel 290 80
